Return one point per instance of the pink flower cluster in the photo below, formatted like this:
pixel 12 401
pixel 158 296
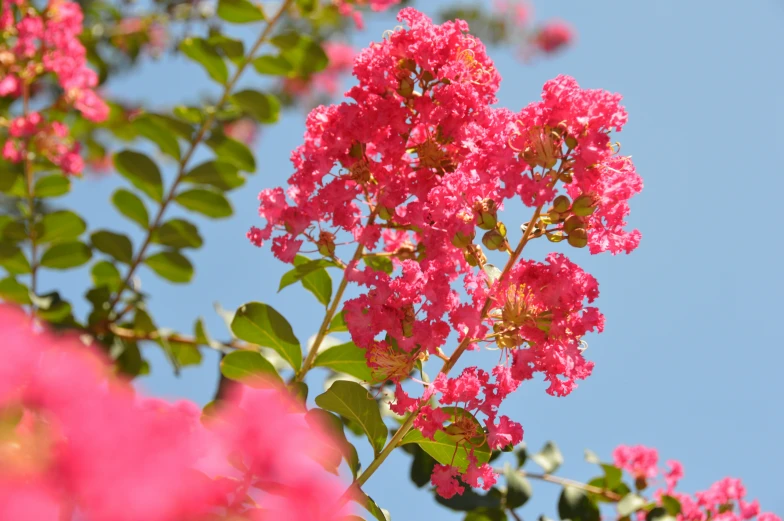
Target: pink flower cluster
pixel 349 8
pixel 548 37
pixel 411 167
pixel 725 500
pixel 37 43
pixel 71 428
pixel 50 139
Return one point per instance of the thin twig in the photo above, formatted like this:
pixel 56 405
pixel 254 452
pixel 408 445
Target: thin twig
pixel 30 187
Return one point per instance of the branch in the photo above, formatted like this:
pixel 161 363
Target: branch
pixel 30 187
pixel 130 334
pixel 609 494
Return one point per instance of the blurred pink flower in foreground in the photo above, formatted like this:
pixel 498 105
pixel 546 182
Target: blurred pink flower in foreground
pixel 78 443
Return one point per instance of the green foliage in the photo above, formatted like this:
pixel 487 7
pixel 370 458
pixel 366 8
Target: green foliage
pixel 354 402
pixel 630 504
pixel 61 226
pixel 304 55
pixel 104 273
pixel 518 489
pixel 14 291
pixel 141 171
pixel 206 202
pixel 313 275
pixel 232 151
pixel 240 11
pixel 549 458
pixel 202 52
pixel 66 255
pixel 52 186
pixel 345 358
pixel 178 234
pixel 576 505
pixel 262 325
pixel 245 366
pixel 223 176
pixel 171 265
pixel 156 130
pixel 115 245
pixel 265 108
pixel 331 424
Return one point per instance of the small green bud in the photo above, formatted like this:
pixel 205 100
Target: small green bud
pixel 406 88
pixel 501 227
pixel 570 141
pixel 562 204
pixel 566 178
pixel 578 238
pixel 553 217
pixel 385 214
pixel 463 240
pixel 572 223
pixel 493 240
pixel 557 236
pixel 356 150
pixel 469 258
pixel 427 76
pixel 584 205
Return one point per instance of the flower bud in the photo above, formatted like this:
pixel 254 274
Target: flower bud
pixel 385 213
pixel 566 178
pixel 470 258
pixel 427 76
pixel 562 204
pixel 487 214
pixel 584 205
pixel 356 150
pixel 408 320
pixel 501 227
pixel 556 236
pixel 578 238
pixel 326 244
pixel 573 223
pixel 406 87
pixel 570 141
pixel 463 240
pixel 554 217
pixel 493 240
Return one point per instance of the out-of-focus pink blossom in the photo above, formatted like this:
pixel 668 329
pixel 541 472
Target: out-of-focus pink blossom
pixel 244 130
pixel 553 36
pixel 326 82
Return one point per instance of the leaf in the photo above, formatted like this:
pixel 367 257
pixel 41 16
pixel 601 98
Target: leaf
pixel 630 504
pixel 223 176
pixel 272 65
pixel 184 354
pixel 659 514
pixel 522 455
pixel 492 272
pixel 66 255
pixel 379 263
pixel 104 273
pixel 442 448
pixel 52 186
pixel 574 504
pixel 332 425
pixel 232 151
pixel 141 171
pixel 486 514
pixel 190 114
pixel 231 48
pixel 338 324
pixel 244 366
pixel 518 489
pixel 366 501
pixel 181 128
pixel 206 202
pixel 421 467
pixel 60 226
pixel 549 458
pixel 239 11
pixel 265 108
pixel 469 500
pixel 671 504
pixel 12 290
pixel 200 51
pixel 172 266
pixel 345 358
pixel 115 245
pixel 351 400
pixel 307 6
pixel 305 55
pixel 313 276
pixel 13 259
pixel 156 131
pixel 262 325
pixel 177 233
pixel 131 206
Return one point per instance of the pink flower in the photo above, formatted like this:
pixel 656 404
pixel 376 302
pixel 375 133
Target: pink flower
pixel 507 432
pixel 476 472
pixel 430 420
pixel 638 460
pixel 553 36
pixel 443 478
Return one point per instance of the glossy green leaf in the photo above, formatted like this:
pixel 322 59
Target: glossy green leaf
pixel 575 504
pixel 240 11
pixel 62 225
pixel 549 458
pixel 131 206
pixel 13 259
pixel 14 291
pixel 470 500
pixel 116 245
pixel 313 275
pixel 157 132
pixel 338 323
pixel 52 308
pixel 351 400
pixel 232 151
pixel 262 325
pixel 345 358
pixel 630 504
pixel 671 504
pixel 265 108
pixel 223 176
pixel 177 233
pixel 518 489
pixel 307 6
pixel 206 202
pixel 172 266
pixel 141 171
pixel 522 455
pixel 244 366
pixel 66 255
pixel 332 425
pixel 200 51
pixel 272 65
pixel 183 354
pixel 366 501
pixel 104 273
pixel 52 186
pixel 181 128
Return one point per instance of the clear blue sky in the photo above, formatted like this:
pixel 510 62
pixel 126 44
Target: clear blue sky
pixel 691 359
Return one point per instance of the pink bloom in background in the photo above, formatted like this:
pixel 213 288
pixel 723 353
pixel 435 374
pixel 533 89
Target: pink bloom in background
pixel 553 36
pixel 244 130
pixel 50 140
pixel 349 8
pixel 520 12
pixel 327 82
pixel 83 428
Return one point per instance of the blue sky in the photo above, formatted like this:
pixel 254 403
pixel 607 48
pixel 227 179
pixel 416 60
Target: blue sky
pixel 690 359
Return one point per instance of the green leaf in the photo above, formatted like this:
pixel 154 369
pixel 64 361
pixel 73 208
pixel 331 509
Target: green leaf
pixel 183 354
pixel 486 514
pixel 307 6
pixel 244 366
pixel 52 186
pixel 8 175
pixel 351 400
pixel 305 55
pixel 518 489
pixel 262 325
pixel 177 233
pixel 172 266
pixel 630 504
pixel 115 245
pixel 231 48
pixel 338 324
pixel 549 458
pixel 157 132
pixel 469 500
pixel 223 176
pixel 104 273
pixel 332 425
pixel 63 225
pixel 190 114
pixel 659 514
pixel 200 333
pixel 272 65
pixel 576 505
pixel 131 206
pixel 313 276
pixel 141 171
pixel 240 11
pixel 522 455
pixel 232 151
pixel 52 308
pixel 442 447
pixel 265 108
pixel 379 263
pixel 671 504
pixel 421 466
pixel 345 358
pixel 65 255
pixel 366 501
pixel 200 51
pixel 13 259
pixel 12 290
pixel 206 202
